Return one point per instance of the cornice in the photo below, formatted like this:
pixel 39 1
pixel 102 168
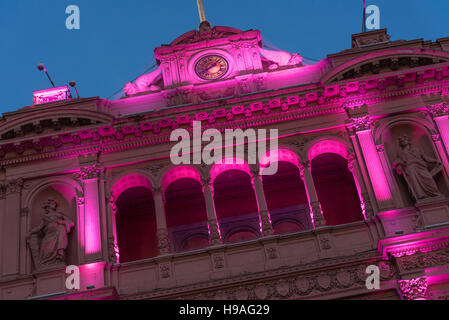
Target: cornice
pixel 136 133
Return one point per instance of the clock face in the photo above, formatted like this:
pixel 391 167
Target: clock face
pixel 211 67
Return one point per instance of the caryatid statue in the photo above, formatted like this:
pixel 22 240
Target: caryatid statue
pixel 417 169
pixel 48 241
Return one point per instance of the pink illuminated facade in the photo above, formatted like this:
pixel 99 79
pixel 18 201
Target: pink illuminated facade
pixel 362 179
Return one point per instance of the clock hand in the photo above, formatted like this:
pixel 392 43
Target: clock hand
pixel 214 68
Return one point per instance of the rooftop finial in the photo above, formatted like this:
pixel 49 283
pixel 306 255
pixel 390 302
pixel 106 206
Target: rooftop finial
pixel 201 11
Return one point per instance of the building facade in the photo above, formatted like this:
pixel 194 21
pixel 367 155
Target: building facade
pixel 362 181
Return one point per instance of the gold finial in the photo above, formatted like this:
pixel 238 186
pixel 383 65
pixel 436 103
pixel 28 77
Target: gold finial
pixel 201 10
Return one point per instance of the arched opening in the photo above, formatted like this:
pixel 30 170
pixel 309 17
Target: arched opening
pixel 65 197
pixel 426 154
pixel 136 224
pixel 287 199
pixel 336 189
pixel 236 206
pixel 186 215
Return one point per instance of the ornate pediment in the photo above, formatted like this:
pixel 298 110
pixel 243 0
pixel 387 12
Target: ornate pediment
pixel 385 61
pixel 38 122
pixel 205 32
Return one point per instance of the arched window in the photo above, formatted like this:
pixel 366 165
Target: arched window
pixel 135 218
pixel 336 189
pixel 285 194
pixel 186 213
pixel 235 202
pixel 136 224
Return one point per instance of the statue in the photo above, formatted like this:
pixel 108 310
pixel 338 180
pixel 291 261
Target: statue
pixel 417 169
pixel 144 83
pixel 48 241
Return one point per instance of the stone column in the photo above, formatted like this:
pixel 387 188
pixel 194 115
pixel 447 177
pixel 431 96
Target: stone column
pixel 212 221
pixel 264 215
pixel 382 192
pixel 24 214
pixel 365 202
pixel 397 197
pixel 91 207
pixel 113 248
pixel 316 213
pixel 440 115
pixel 161 222
pixel 436 138
pixel 10 228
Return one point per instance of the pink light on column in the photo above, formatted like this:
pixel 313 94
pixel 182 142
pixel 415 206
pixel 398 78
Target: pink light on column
pixel 375 170
pixel 51 95
pixel 443 125
pixel 92 217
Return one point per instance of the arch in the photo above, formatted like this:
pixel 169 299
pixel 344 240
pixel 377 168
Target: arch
pixel 195 241
pixel 234 195
pixel 185 208
pixel 177 173
pixel 282 154
pixel 332 75
pixel 130 179
pixel 227 164
pixel 388 123
pixel 65 181
pixel 65 191
pixel 285 226
pixel 285 191
pixel 135 218
pixel 33 117
pixel 241 234
pixel 135 222
pixel 420 131
pixel 327 145
pixel 336 189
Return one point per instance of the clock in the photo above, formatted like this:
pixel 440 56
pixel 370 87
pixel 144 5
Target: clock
pixel 211 67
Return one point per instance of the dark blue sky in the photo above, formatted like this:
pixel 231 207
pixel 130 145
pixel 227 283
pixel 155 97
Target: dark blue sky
pixel 116 40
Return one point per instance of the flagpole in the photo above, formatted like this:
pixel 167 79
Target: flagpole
pixel 364 17
pixel 201 10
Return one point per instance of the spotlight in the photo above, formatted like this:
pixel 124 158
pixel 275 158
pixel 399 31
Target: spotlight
pixel 41 67
pixel 73 85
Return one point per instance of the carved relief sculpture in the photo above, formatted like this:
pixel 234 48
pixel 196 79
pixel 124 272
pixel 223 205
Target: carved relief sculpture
pixel 417 169
pixel 48 241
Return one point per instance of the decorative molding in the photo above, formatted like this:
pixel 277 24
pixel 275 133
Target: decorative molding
pixel 439 109
pixel 413 289
pixel 362 123
pixel 89 172
pixel 296 286
pixel 163 241
pixel 103 139
pixel 14 186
